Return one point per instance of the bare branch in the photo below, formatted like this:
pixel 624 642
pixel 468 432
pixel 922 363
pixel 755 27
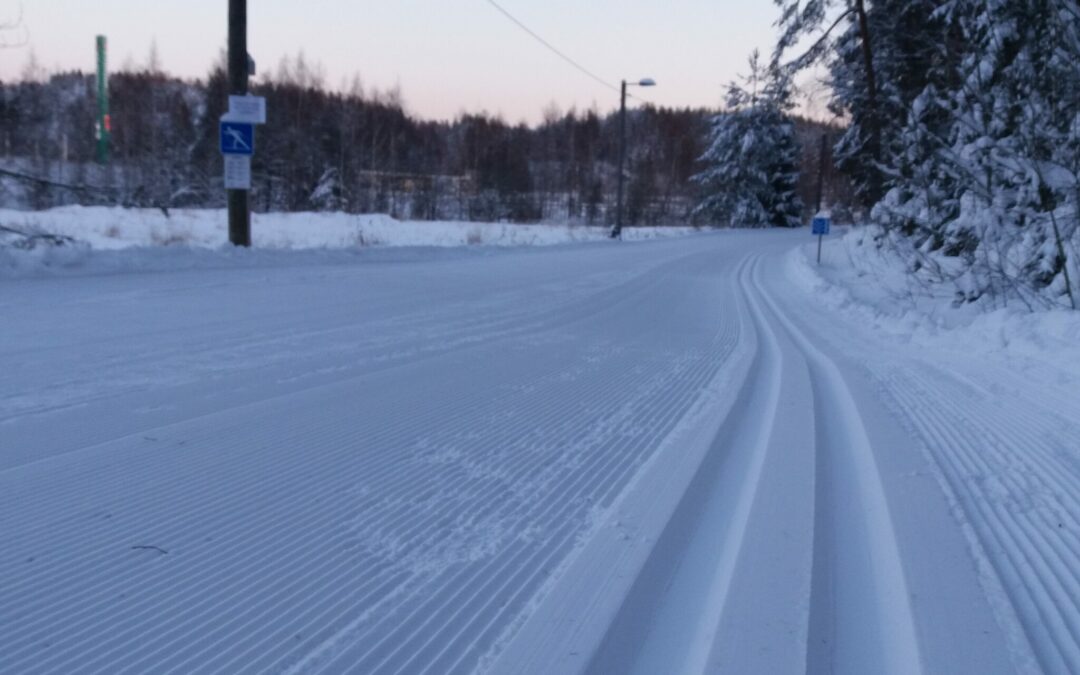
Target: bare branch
pixel 812 54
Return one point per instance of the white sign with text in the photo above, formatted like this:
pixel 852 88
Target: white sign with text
pixel 237 172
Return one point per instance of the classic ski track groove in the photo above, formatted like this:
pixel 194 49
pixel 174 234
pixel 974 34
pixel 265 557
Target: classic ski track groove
pixel 640 638
pixel 1003 448
pixel 632 642
pixel 846 455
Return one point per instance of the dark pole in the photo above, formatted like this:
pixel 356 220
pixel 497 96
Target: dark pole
pixel 821 187
pixel 617 232
pixel 821 172
pixel 239 208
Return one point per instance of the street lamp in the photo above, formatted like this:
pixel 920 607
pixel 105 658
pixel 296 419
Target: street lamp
pixel 616 233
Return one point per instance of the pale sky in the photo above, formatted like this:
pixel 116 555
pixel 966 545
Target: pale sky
pixel 447 56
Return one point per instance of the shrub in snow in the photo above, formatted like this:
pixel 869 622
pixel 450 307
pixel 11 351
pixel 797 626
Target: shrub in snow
pixel 30 239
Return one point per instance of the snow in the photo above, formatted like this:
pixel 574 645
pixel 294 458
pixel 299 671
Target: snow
pixel 872 286
pixel 113 228
pixel 690 454
pixel 111 240
pixel 990 400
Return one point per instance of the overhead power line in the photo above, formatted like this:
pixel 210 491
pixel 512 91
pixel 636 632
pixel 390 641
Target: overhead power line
pixel 552 47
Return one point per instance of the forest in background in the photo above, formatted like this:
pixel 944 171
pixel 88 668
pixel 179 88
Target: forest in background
pixel 354 150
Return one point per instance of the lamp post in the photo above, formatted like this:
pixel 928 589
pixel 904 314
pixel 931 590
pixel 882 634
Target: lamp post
pixel 616 232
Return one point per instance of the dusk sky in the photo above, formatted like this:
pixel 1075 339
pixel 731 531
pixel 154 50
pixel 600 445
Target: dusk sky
pixel 447 56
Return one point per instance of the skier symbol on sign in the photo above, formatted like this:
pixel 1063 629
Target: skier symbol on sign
pixel 237 138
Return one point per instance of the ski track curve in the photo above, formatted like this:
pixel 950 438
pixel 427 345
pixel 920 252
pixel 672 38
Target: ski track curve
pixel 669 618
pixel 851 613
pixel 1001 439
pixel 860 617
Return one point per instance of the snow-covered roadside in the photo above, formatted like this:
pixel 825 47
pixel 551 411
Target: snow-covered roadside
pixel 989 399
pixel 873 288
pixel 110 239
pixel 108 228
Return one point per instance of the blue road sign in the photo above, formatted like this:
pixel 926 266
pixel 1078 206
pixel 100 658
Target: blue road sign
pixel 820 225
pixel 237 138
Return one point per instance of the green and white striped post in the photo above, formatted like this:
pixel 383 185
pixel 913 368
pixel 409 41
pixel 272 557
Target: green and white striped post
pixel 104 124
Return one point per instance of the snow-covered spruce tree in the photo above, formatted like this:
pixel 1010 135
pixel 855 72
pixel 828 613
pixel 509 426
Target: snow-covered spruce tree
pixel 919 55
pixel 908 49
pixel 964 131
pixel 844 36
pixel 1014 146
pixel 751 164
pixel 991 151
pixel 880 56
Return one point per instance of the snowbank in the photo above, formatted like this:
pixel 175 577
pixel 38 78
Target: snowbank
pixel 198 237
pixel 874 287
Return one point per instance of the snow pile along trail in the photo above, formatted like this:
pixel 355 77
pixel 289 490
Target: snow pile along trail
pixel 638 457
pixel 115 228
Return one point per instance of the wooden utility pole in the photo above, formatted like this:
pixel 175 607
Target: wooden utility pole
pixel 239 206
pixel 616 232
pixel 822 154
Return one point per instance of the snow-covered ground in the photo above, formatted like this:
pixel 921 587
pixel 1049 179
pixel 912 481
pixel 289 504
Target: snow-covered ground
pixel 686 455
pixel 111 228
pixel 870 286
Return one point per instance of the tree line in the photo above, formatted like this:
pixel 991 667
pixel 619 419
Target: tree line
pixel 355 150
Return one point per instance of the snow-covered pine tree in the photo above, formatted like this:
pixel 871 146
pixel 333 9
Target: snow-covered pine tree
pixel 751 164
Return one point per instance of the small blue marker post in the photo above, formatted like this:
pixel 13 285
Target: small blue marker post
pixel 820 226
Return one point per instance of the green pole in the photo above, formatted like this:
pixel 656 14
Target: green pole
pixel 104 124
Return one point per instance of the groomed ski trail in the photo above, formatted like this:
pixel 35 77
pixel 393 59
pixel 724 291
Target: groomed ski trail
pixel 388 505
pixel 720 591
pixel 649 457
pixel 1001 441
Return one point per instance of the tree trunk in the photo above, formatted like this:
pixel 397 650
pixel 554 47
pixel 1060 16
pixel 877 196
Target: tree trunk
pixel 871 98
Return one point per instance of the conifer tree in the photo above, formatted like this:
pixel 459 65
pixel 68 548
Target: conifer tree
pixel 751 164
